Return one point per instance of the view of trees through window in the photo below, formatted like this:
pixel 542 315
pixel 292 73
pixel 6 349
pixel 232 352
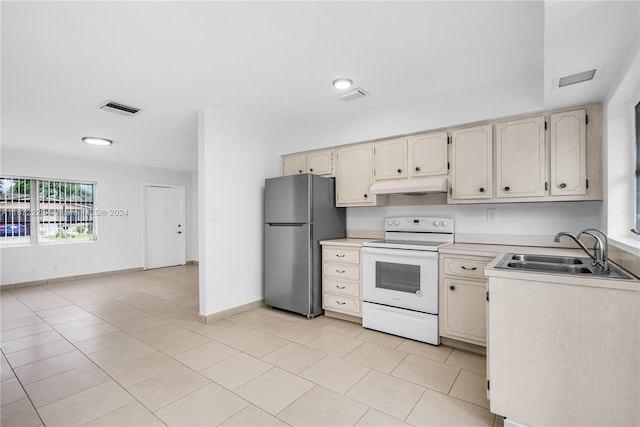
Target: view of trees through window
pixel 45 211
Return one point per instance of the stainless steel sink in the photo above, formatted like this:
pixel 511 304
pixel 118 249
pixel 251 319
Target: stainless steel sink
pixel 559 264
pixel 549 266
pixel 548 259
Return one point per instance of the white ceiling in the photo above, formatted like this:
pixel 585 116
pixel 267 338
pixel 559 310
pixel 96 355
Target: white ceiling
pixel 273 62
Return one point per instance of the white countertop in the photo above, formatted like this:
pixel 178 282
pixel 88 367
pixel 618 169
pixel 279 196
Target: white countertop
pixel 499 252
pixel 349 241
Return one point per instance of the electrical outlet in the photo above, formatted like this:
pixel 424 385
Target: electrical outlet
pixel 54 267
pixel 34 269
pixel 492 215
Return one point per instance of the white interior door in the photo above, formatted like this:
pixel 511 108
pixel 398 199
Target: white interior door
pixel 165 233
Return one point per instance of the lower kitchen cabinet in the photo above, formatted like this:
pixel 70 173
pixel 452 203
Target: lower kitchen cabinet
pixel 341 287
pixel 463 298
pixel 564 354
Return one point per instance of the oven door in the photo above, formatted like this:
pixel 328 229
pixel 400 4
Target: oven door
pixel 401 278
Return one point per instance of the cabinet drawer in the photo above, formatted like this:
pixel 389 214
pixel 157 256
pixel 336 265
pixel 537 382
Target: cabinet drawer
pixel 341 287
pixel 351 256
pixel 341 303
pixel 465 266
pixel 342 271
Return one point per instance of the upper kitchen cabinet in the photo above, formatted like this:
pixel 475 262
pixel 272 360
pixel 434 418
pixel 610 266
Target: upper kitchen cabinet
pixel 428 154
pixel 521 158
pixel 316 162
pixel 471 164
pixel 390 158
pixel 294 164
pixel 354 175
pixel 568 153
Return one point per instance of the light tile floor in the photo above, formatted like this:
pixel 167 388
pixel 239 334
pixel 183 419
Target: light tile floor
pixel 128 350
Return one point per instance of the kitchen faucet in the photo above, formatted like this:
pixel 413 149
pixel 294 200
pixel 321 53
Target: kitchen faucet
pixel 599 256
pixel 602 244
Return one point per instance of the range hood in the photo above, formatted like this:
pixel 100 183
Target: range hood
pixel 422 185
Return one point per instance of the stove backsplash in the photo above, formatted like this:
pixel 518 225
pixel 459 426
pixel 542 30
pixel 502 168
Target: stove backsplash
pixel 512 218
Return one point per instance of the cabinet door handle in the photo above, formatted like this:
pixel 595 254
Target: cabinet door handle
pixel 340 255
pixel 365 196
pixel 399 170
pixel 341 303
pixel 563 185
pixel 507 188
pixel 482 189
pixel 311 170
pixel 340 287
pixel 340 271
pixel 469 269
pixel 417 168
pixel 300 171
pixel 453 288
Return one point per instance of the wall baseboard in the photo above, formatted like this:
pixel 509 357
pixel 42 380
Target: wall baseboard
pixel 69 278
pixel 347 317
pixel 193 262
pixel 210 318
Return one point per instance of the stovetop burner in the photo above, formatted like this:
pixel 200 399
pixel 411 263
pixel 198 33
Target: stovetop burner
pixel 415 233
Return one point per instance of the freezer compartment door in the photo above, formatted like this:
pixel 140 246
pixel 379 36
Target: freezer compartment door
pixel 287 267
pixel 287 199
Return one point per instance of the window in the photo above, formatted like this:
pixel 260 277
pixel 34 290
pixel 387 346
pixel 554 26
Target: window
pixel 40 211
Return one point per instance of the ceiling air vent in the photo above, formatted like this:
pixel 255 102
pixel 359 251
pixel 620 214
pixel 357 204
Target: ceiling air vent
pixel 353 94
pixel 115 107
pixel 577 78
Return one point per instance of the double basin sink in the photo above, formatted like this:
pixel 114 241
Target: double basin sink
pixel 559 264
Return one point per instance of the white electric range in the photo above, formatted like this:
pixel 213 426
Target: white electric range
pixel 400 277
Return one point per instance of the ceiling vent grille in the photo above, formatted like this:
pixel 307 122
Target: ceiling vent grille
pixel 577 78
pixel 116 107
pixel 353 94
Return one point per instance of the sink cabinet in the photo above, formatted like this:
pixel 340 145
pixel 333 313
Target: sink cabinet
pixel 570 349
pixel 463 298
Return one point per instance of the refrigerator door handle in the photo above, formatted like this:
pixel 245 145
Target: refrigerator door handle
pixel 286 224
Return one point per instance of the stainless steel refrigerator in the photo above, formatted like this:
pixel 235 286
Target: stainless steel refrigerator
pixel 299 212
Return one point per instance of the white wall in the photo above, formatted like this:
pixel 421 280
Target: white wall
pixel 543 219
pixel 120 239
pixel 480 104
pixel 234 158
pixel 619 143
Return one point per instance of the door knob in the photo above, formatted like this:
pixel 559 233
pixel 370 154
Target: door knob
pixel 399 170
pixel 482 189
pixel 417 168
pixel 563 185
pixel 506 189
pixel 453 288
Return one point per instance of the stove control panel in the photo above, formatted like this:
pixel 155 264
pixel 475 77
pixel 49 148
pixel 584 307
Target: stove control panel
pixel 419 224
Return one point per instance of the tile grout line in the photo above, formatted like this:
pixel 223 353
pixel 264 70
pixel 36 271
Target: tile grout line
pixel 23 389
pixel 88 358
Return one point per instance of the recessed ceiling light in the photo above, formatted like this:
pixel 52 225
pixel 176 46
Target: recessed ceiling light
pixel 96 140
pixel 342 83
